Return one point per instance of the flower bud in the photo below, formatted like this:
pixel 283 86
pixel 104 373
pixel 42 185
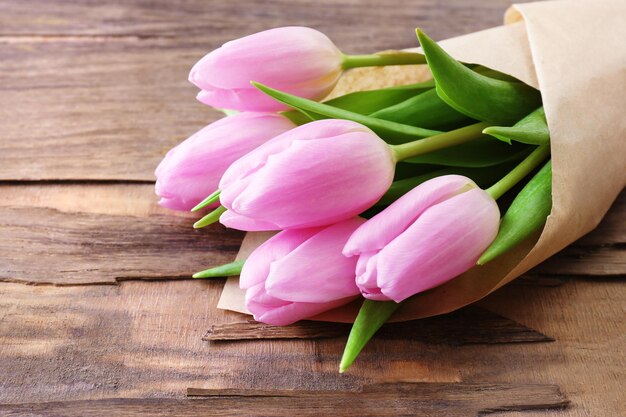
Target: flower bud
pixel 296 60
pixel 314 175
pixel 429 236
pixel 300 273
pixel 192 170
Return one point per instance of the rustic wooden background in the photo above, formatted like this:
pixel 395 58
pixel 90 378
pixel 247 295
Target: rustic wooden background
pixel 97 315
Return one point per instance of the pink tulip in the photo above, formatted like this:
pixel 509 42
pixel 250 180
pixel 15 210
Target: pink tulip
pixel 296 60
pixel 427 237
pixel 300 273
pixel 192 170
pixel 314 175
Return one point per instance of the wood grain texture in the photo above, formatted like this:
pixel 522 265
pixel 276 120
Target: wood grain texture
pixel 105 110
pixel 384 400
pixel 110 88
pixel 471 325
pixel 143 339
pixel 93 95
pixel 111 232
pixel 357 24
pixel 47 245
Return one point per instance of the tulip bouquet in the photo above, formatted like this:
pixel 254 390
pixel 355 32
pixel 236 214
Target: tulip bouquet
pixel 378 197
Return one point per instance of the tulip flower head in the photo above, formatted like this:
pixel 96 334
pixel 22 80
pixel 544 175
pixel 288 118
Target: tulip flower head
pixel 297 60
pixel 300 273
pixel 314 175
pixel 193 169
pixel 427 237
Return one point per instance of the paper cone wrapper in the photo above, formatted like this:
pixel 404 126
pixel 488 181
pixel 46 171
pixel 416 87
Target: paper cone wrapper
pixel 574 53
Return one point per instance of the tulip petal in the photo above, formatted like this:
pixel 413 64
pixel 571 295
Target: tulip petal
pixel 367 277
pixel 320 176
pixel 191 170
pixel 316 271
pixel 290 55
pixel 270 310
pixel 245 99
pixel 249 98
pixel 257 266
pixel 395 219
pixel 445 241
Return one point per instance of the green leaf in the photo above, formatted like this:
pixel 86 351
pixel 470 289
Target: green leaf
pixel 527 214
pixel 532 130
pixel 212 198
pixel 371 317
pixel 477 96
pixel 210 218
pixel 488 72
pixel 390 131
pixel 425 110
pixel 226 270
pixel 482 152
pixel 366 102
pixel 483 177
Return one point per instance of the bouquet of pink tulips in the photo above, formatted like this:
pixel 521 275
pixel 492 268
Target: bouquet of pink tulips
pixel 377 196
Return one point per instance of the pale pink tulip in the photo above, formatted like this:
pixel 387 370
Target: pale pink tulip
pixel 300 273
pixel 314 175
pixel 192 170
pixel 429 236
pixel 296 60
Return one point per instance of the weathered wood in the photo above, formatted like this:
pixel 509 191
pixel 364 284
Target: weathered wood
pixel 77 234
pixel 98 91
pixel 105 110
pixel 112 97
pixel 42 246
pixel 143 339
pixel 219 21
pixel 384 400
pixel 471 325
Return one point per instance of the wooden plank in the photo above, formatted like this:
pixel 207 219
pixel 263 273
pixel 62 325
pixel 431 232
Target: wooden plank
pixel 471 325
pixel 108 101
pixel 385 400
pixel 77 234
pixel 95 243
pixel 219 21
pixel 143 339
pixel 95 110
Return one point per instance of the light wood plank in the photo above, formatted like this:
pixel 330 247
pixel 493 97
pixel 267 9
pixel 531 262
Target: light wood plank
pixel 74 234
pixel 219 21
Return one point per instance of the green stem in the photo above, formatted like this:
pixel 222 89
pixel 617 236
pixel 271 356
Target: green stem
pixel 210 218
pixel 524 168
pixel 381 60
pixel 226 270
pixel 440 141
pixel 213 198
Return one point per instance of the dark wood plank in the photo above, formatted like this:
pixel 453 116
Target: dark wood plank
pixel 46 245
pixel 384 400
pixel 143 339
pixel 471 325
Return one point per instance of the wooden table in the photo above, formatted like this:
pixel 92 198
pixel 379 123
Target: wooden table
pixel 97 315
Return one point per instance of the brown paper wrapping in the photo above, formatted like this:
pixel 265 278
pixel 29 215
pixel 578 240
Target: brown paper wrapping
pixel 573 51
